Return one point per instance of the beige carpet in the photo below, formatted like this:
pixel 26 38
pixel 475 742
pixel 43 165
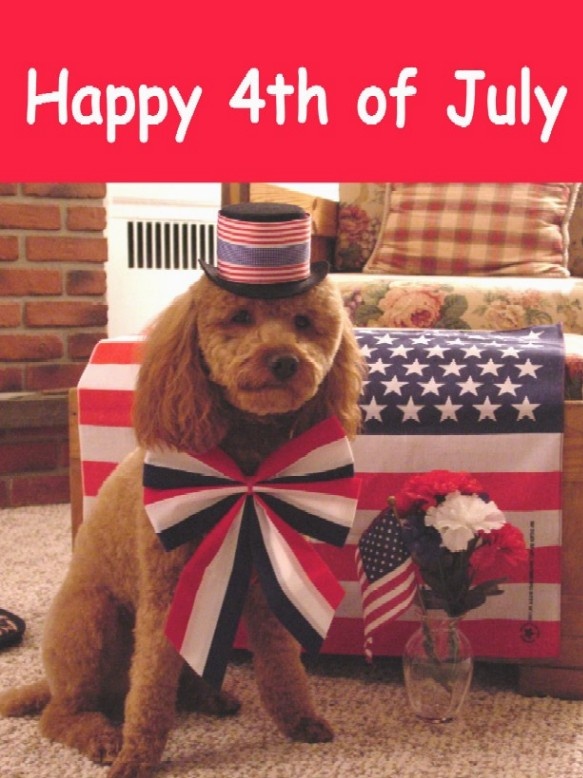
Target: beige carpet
pixel 501 734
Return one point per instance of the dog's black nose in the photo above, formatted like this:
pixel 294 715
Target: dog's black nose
pixel 283 366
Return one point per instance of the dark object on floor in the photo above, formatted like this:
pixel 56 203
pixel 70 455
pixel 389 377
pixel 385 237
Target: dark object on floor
pixel 11 629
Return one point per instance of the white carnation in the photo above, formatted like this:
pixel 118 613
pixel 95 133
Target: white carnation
pixel 460 516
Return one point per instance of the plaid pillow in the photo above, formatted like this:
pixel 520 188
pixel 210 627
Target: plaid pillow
pixel 475 229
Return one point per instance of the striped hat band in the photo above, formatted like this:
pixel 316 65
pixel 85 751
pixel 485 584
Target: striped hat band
pixel 264 252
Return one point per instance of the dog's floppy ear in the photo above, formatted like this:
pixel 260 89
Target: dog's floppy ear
pixel 175 405
pixel 342 386
pixel 340 390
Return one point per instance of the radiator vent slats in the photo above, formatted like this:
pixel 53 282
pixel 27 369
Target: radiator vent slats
pixel 169 245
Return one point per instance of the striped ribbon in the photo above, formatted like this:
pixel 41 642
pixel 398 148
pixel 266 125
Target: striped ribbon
pixel 252 524
pixel 264 252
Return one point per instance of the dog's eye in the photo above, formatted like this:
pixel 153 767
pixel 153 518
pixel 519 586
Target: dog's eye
pixel 302 322
pixel 242 317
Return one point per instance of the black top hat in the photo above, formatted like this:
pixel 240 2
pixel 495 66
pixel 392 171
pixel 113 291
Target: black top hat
pixel 263 250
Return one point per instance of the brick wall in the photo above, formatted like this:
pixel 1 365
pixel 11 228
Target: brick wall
pixel 52 312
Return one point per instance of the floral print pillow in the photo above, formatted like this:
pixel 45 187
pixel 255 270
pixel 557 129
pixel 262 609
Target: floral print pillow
pixel 360 216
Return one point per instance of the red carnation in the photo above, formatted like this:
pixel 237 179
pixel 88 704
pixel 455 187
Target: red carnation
pixel 501 552
pixel 424 489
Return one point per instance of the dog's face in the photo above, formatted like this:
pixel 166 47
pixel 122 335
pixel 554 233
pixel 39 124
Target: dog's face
pixel 212 352
pixel 268 356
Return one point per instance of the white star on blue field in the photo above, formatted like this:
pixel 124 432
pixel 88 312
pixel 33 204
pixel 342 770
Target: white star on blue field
pixel 458 382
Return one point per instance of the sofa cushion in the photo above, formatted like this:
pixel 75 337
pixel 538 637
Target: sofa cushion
pixel 456 302
pixel 475 229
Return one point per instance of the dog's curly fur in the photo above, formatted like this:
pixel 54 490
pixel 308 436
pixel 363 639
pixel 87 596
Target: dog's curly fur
pixel 217 369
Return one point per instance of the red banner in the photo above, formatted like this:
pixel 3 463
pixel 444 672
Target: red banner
pixel 303 92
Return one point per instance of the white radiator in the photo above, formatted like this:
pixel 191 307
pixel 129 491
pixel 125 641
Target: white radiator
pixel 154 248
pixel 169 245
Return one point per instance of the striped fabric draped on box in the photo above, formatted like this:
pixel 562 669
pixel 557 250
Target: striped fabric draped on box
pixel 484 402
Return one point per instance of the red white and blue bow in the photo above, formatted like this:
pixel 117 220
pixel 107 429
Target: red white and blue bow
pixel 256 523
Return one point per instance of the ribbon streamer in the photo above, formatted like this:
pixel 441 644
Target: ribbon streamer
pixel 252 523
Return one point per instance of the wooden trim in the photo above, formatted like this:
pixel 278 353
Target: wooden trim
pixel 573 454
pixel 33 409
pixel 562 682
pixel 572 540
pixel 324 212
pixel 75 474
pixel 234 193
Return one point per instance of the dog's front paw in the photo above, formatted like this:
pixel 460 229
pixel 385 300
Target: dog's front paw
pixel 123 768
pixel 104 747
pixel 312 730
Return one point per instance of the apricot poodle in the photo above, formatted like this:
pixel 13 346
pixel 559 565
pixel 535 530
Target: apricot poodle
pixel 217 368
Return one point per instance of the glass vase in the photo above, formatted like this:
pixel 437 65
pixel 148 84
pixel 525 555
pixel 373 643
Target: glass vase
pixel 438 665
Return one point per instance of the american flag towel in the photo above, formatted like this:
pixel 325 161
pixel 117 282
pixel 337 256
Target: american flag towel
pixel 488 403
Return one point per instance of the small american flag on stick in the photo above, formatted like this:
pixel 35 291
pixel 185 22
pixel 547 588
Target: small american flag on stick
pixel 386 574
